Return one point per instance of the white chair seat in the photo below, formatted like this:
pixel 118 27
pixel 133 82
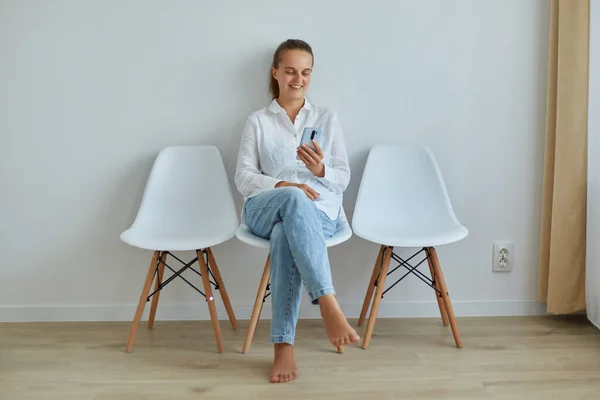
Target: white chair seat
pixel 244 233
pixel 403 201
pixel 187 204
pixel 397 234
pixel 174 238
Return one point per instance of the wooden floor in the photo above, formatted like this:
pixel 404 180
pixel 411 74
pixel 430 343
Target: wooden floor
pixel 502 358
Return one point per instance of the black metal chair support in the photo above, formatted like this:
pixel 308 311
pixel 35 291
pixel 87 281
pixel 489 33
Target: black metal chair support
pixel 411 270
pixel 180 271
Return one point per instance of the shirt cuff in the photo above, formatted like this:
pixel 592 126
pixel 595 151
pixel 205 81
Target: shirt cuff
pixel 269 182
pixel 327 176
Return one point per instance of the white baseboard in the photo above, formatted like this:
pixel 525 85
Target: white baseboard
pixel 199 311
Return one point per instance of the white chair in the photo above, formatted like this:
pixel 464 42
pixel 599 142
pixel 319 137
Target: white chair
pixel 403 202
pixel 343 233
pixel 187 206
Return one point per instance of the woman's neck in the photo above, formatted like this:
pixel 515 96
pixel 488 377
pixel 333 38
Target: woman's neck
pixel 291 106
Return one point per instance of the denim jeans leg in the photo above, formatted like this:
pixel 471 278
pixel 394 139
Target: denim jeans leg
pixel 286 289
pixel 297 230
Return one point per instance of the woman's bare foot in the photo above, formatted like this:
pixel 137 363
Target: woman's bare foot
pixel 284 364
pixel 338 329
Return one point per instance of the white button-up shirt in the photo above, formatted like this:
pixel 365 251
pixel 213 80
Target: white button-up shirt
pixel 267 154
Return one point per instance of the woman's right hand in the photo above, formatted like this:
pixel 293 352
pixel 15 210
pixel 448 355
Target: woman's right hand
pixel 310 192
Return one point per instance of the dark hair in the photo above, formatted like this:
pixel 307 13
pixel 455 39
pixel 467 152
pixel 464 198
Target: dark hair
pixel 290 44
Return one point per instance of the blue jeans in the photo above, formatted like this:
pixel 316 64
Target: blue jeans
pixel 297 230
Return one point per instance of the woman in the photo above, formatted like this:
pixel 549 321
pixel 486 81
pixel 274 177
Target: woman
pixel 293 196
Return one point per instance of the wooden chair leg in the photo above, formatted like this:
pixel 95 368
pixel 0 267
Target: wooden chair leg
pixel 219 281
pixel 442 282
pixel 438 296
pixel 387 254
pixel 210 300
pixel 142 302
pixel 258 303
pixel 370 288
pixel 157 282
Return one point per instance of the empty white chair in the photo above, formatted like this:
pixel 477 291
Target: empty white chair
pixel 343 233
pixel 187 206
pixel 403 202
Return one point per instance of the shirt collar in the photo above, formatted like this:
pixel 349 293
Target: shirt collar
pixel 274 107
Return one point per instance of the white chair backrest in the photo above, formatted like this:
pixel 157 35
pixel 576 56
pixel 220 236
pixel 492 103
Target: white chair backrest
pixel 402 184
pixel 188 192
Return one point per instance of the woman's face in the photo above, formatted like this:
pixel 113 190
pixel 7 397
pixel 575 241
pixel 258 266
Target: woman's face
pixel 293 74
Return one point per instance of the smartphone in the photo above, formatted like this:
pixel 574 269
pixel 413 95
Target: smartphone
pixel 309 135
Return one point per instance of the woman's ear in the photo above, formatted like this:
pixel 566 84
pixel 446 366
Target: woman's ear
pixel 274 73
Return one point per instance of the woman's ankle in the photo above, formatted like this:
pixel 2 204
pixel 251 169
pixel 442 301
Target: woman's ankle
pixel 328 301
pixel 283 347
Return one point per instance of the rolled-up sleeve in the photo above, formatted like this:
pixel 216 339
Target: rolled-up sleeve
pixel 249 178
pixel 337 174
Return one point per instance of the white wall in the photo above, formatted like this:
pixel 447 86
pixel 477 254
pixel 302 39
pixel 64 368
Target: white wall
pixel 593 199
pixel 90 91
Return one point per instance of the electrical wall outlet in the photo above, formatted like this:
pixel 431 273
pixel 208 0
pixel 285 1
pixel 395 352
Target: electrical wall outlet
pixel 504 254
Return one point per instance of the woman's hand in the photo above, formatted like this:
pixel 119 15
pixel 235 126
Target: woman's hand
pixel 312 159
pixel 310 192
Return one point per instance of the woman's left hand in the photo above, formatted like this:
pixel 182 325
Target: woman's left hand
pixel 312 159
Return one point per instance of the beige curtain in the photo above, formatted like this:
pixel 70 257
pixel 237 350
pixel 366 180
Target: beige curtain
pixel 561 283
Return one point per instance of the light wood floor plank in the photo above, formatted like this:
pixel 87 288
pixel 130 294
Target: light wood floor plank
pixel 502 358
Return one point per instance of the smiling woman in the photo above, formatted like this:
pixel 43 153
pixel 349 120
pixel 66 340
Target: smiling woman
pixel 298 76
pixel 293 196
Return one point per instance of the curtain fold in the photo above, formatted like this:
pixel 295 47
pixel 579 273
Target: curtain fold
pixel 561 280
